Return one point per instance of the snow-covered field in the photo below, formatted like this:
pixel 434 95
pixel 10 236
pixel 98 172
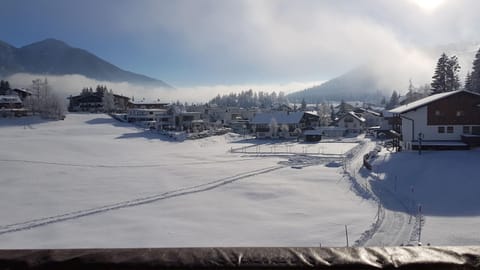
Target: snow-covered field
pixel 90 181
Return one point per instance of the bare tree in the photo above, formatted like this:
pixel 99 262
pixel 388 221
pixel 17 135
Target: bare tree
pixel 44 101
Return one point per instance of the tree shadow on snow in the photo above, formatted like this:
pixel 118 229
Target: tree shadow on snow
pixel 26 121
pixel 146 134
pixel 107 121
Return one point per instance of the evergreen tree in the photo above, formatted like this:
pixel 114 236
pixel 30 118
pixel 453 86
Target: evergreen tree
pixel 304 105
pixel 4 85
pixel 383 101
pixel 342 109
pixel 393 102
pixel 468 82
pixel 452 79
pixel 332 113
pixel 439 78
pixel 445 78
pixel 475 75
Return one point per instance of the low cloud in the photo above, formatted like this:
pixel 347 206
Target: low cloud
pixel 307 40
pixel 67 85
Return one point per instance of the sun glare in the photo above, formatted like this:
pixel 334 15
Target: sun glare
pixel 428 5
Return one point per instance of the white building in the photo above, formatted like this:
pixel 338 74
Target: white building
pixel 281 124
pixel 352 122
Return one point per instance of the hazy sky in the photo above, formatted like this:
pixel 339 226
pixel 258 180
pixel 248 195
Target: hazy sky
pixel 215 42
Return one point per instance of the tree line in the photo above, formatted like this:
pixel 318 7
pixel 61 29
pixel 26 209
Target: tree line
pixel 250 99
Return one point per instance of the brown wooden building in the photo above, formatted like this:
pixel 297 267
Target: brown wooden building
pixel 446 120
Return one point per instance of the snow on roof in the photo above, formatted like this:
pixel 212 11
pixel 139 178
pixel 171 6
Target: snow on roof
pixel 354 115
pixel 26 91
pixel 10 99
pixel 424 101
pixel 280 117
pixel 143 102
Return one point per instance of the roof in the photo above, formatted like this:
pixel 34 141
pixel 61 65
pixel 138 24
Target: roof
pixel 21 90
pixel 10 99
pixel 147 102
pixel 363 110
pixel 425 101
pixel 354 115
pixel 280 117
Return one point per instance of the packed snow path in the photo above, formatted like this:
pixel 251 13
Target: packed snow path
pixel 30 224
pixel 395 227
pixel 392 228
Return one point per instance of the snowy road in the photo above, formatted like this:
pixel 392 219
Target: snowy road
pixel 392 228
pixel 395 227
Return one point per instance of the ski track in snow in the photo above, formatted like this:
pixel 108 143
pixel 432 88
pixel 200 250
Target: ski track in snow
pixel 30 224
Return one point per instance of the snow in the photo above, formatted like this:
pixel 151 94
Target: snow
pixel 91 181
pixel 444 183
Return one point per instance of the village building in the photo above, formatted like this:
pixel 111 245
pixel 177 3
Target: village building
pixel 174 119
pixel 441 121
pixel 352 122
pixel 94 102
pixel 372 118
pixel 330 132
pixel 283 124
pixel 145 116
pixel 12 102
pixel 147 104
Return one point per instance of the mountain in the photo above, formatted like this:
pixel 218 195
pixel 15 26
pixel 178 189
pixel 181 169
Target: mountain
pixel 360 84
pixel 55 57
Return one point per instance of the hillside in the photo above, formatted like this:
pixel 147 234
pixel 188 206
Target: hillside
pixel 54 57
pixel 360 84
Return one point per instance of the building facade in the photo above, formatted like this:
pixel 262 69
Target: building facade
pixel 440 121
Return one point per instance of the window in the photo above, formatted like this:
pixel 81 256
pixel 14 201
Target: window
pixel 476 130
pixel 460 113
pixel 441 129
pixel 450 129
pixel 466 129
pixel 437 113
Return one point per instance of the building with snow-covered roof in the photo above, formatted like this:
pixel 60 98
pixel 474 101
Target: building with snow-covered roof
pixel 445 120
pixel 281 124
pixel 95 102
pixel 144 115
pixel 147 104
pixel 372 118
pixel 10 102
pixel 11 105
pixel 352 122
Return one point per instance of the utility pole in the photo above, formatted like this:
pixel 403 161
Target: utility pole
pixel 420 223
pixel 420 138
pixel 346 233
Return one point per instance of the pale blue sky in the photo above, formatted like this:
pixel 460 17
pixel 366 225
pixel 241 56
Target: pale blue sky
pixel 212 42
